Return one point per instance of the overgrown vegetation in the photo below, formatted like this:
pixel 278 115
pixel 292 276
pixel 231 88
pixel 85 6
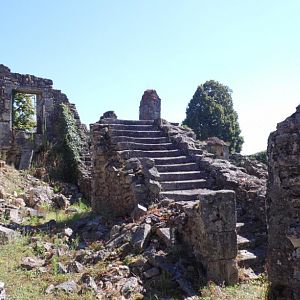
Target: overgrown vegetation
pixel 210 113
pixel 81 210
pixel 31 284
pixel 23 113
pixel 260 156
pixel 62 157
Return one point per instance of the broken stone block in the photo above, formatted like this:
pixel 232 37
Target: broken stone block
pixel 7 235
pixel 27 211
pixel 114 231
pixel 19 202
pixel 67 287
pixel 140 236
pixel 50 289
pixel 88 282
pixel 75 267
pixel 62 268
pixel 165 235
pixel 30 263
pixel 13 215
pixel 38 196
pixel 131 285
pixel 60 201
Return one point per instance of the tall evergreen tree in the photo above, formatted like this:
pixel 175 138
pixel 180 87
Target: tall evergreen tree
pixel 210 113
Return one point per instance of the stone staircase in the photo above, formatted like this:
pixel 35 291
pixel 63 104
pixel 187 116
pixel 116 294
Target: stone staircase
pixel 180 177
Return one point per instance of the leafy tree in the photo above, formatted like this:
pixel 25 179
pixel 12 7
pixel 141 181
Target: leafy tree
pixel 23 112
pixel 210 113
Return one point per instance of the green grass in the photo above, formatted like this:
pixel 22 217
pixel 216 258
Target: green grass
pixel 30 285
pixel 251 290
pixel 61 216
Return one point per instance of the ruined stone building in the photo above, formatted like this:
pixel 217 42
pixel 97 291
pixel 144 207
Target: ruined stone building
pixel 218 202
pixel 19 147
pixel 283 210
pixel 150 160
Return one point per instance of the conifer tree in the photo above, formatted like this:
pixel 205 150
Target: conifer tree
pixel 210 113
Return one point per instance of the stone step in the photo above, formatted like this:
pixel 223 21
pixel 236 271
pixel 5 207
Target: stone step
pixel 246 259
pixel 177 167
pixel 183 185
pixel 150 154
pixel 142 140
pixel 149 147
pixel 131 127
pixel 127 122
pixel 242 242
pixel 172 160
pixel 184 175
pixel 140 133
pixel 183 195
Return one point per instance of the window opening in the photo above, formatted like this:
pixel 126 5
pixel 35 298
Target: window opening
pixel 24 116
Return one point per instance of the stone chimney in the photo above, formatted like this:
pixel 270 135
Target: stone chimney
pixel 150 106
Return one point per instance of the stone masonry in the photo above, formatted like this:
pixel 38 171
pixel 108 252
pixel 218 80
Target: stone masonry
pixel 18 147
pixel 246 178
pixel 150 106
pixel 147 161
pixel 136 164
pixel 283 210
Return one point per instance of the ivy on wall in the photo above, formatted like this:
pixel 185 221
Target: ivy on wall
pixel 65 152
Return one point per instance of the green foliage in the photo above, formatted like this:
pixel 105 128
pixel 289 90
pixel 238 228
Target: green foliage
pixel 260 156
pixel 23 112
pixel 210 113
pixel 65 153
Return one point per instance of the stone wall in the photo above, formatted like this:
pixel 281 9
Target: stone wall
pixel 17 144
pixel 283 210
pixel 119 184
pixel 210 231
pixel 150 106
pixel 224 174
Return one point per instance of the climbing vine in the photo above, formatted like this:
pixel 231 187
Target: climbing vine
pixel 65 152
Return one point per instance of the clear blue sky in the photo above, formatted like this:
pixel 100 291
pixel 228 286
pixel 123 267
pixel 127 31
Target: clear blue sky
pixel 104 54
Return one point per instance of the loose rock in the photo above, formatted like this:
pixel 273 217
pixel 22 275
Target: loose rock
pixel 140 236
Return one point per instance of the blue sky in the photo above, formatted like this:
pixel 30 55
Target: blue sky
pixel 104 54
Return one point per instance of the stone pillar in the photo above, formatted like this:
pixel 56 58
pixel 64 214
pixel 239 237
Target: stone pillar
pixel 210 231
pixel 283 210
pixel 150 106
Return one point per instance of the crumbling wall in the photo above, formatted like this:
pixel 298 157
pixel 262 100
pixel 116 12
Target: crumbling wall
pixel 223 174
pixel 119 184
pixel 16 145
pixel 283 209
pixel 250 193
pixel 210 231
